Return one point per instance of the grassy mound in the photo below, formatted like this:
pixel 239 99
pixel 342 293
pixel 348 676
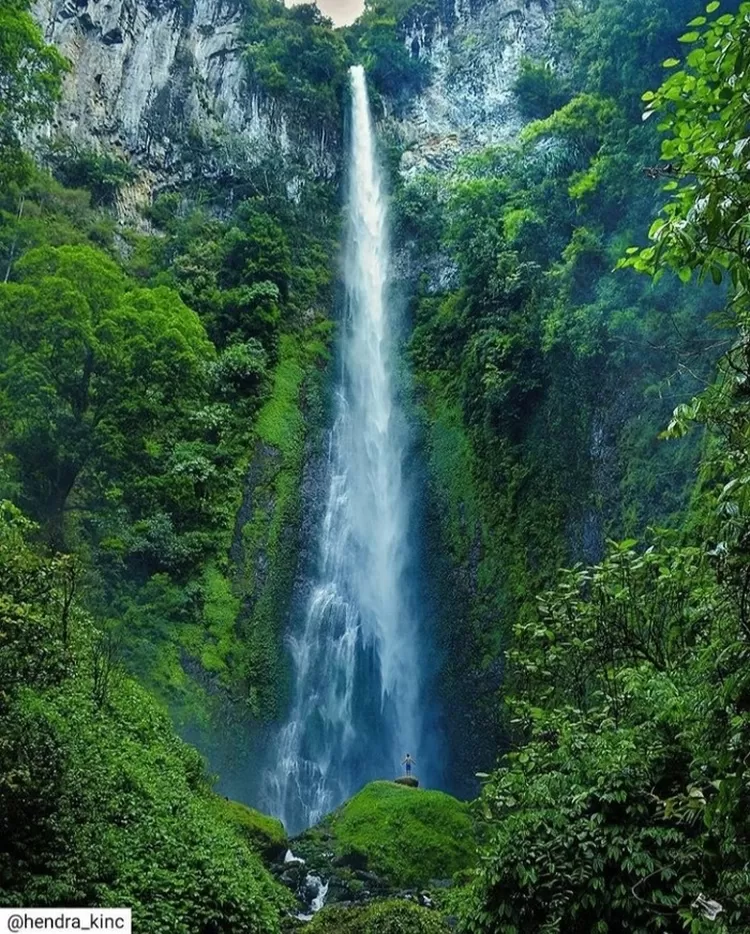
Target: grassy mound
pixel 390 917
pixel 265 834
pixel 407 836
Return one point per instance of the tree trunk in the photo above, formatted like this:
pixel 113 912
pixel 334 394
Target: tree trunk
pixel 66 479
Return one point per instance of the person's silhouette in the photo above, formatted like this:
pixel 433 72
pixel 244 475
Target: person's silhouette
pixel 408 763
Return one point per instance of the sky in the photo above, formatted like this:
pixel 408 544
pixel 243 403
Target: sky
pixel 342 12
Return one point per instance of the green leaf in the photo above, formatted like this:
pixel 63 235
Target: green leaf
pixel 713 6
pixel 689 37
pixel 671 62
pixel 656 228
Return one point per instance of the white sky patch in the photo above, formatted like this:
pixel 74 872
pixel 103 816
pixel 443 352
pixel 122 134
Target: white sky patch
pixel 342 12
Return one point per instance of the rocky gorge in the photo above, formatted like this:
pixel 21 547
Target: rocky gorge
pixel 340 437
pixel 165 86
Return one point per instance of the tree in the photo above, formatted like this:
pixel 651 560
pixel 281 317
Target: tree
pixel 90 368
pixel 539 90
pixel 295 56
pixel 703 110
pixel 30 75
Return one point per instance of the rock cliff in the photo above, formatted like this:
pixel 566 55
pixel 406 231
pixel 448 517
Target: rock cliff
pixel 163 83
pixel 474 51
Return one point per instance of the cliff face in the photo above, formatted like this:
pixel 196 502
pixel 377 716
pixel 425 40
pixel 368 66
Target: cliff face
pixel 163 83
pixel 159 79
pixel 474 51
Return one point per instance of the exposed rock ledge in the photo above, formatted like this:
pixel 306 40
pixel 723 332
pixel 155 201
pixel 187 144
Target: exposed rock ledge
pixel 156 79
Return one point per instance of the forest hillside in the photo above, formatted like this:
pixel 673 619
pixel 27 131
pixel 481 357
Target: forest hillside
pixel 366 389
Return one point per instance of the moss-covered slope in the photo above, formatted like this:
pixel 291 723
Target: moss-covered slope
pixel 405 837
pixel 265 834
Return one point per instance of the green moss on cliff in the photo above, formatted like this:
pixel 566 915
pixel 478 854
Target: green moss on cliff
pixel 265 834
pixel 268 530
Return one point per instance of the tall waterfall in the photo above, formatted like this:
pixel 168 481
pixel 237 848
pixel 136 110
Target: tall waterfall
pixel 355 654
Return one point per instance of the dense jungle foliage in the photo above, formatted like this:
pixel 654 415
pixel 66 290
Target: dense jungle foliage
pixel 297 58
pixel 140 376
pixel 624 804
pixel 159 395
pixel 100 803
pixel 544 377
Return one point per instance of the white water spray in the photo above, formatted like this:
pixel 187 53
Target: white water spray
pixel 356 656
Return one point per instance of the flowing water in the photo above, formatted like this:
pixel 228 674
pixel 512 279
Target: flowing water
pixel 355 654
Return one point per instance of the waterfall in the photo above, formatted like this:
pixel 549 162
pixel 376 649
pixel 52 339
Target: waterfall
pixel 355 652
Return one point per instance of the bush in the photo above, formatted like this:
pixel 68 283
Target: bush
pixel 539 90
pixel 102 173
pixel 390 917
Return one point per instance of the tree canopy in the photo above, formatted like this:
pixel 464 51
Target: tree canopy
pixel 30 74
pixel 91 370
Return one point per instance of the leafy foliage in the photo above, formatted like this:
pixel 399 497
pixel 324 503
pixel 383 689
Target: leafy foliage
pixel 387 917
pixel 30 74
pixel 89 369
pixel 623 801
pixel 295 56
pixel 101 803
pixel 539 90
pixel 613 807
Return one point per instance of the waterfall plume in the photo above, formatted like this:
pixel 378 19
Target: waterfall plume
pixel 355 652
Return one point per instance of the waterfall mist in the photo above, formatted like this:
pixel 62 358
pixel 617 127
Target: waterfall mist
pixel 355 651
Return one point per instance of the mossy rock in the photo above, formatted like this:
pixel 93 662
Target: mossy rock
pixel 407 780
pixel 265 834
pixel 406 836
pixel 388 917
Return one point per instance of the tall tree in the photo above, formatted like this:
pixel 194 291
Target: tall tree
pixel 30 76
pixel 90 368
